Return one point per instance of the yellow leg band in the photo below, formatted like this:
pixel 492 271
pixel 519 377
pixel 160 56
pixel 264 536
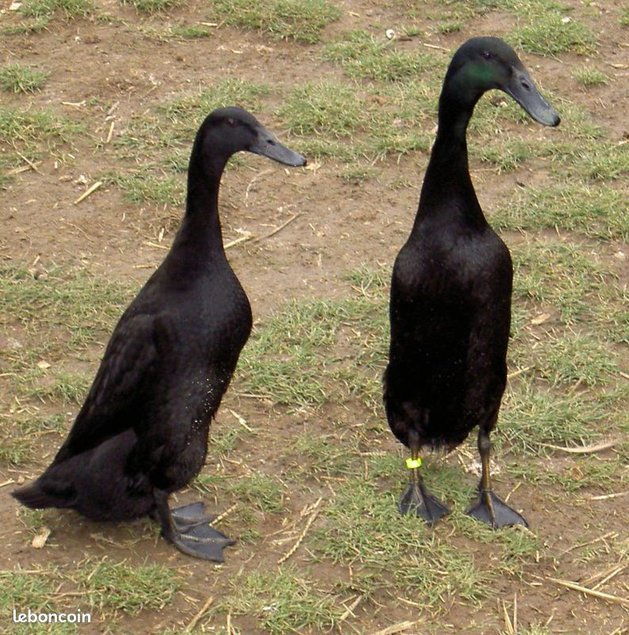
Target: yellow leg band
pixel 413 464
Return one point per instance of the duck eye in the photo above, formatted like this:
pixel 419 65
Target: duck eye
pixel 486 55
pixel 230 122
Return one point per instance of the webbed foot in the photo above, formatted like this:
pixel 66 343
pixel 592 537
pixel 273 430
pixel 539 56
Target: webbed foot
pixel 494 511
pixel 201 541
pixel 188 528
pixel 192 514
pixel 416 500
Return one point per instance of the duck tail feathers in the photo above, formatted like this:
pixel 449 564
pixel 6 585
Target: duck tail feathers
pixel 37 496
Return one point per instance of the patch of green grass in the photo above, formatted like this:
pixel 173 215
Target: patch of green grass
pixel 32 589
pixel 292 339
pixel 20 432
pixel 508 154
pixel 59 311
pixel 450 26
pixel 550 33
pixel 47 8
pixel 33 519
pixel 575 475
pixel 590 554
pixel 191 31
pixel 594 160
pixel 422 575
pixel 83 306
pixel 325 108
pixel 291 358
pixel 320 454
pixel 25 27
pixel 577 123
pixel 598 212
pixel 18 78
pixel 380 123
pixel 532 415
pixel 65 387
pixel 588 76
pixel 364 530
pixel 126 587
pixel 559 275
pixel 264 492
pixel 145 187
pixel 370 282
pixel 13 450
pixel 566 278
pixel 283 601
pixel 29 131
pixel 576 358
pixel 153 6
pixel 356 174
pixel 362 56
pixel 299 20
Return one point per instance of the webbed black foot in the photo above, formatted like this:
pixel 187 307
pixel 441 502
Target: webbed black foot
pixel 188 529
pixel 494 511
pixel 416 500
pixel 192 514
pixel 201 541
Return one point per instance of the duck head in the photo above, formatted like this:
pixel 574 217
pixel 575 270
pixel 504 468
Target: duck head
pixel 226 131
pixel 484 63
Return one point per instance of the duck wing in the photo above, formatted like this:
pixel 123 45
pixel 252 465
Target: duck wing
pixel 118 395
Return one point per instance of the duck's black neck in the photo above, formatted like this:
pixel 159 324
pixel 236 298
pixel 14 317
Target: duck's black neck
pixel 200 229
pixel 447 188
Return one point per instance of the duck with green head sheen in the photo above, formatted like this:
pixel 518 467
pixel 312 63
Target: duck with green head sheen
pixel 450 305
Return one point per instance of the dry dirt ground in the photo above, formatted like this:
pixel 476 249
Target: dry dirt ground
pixel 109 71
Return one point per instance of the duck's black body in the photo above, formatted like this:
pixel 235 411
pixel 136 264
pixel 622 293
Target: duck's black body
pixel 450 299
pixel 143 429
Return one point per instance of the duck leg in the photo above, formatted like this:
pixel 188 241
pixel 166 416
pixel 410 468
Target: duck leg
pixel 416 499
pixel 490 509
pixel 187 529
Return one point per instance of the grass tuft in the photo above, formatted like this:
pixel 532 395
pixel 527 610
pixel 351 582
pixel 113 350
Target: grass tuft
pixel 576 359
pixel 150 7
pixel 550 33
pixel 299 20
pixel 589 77
pixel 71 9
pixel 534 416
pixel 145 187
pixel 362 56
pixel 126 587
pixel 31 589
pixel 17 78
pixel 283 602
pixel 595 212
pixel 327 109
pixel 264 492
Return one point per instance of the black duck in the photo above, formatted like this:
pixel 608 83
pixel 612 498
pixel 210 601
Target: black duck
pixel 142 432
pixel 450 304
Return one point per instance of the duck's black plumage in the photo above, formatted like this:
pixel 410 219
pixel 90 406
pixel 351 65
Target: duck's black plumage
pixel 143 429
pixel 450 303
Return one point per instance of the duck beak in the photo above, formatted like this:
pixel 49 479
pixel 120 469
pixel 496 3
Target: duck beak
pixel 268 146
pixel 523 90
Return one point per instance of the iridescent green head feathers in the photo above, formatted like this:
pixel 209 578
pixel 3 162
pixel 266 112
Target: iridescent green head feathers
pixel 485 63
